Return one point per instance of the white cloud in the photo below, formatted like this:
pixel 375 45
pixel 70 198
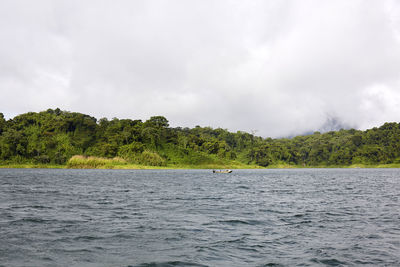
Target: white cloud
pixel 279 67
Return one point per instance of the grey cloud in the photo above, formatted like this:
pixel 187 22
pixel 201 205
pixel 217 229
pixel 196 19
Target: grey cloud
pixel 279 67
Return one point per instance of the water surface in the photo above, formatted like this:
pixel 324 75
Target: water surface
pixel 304 217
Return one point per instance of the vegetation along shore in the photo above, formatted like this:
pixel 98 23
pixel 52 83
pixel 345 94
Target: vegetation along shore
pixel 62 139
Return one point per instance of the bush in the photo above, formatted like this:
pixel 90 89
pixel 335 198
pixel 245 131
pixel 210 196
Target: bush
pixel 103 150
pixel 131 151
pixel 43 159
pixel 82 162
pixel 59 158
pixel 151 159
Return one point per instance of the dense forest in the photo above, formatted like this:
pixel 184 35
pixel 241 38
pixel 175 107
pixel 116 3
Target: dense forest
pixel 55 136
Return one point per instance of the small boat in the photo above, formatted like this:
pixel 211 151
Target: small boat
pixel 222 171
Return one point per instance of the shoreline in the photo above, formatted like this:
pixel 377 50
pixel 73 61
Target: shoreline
pixel 199 167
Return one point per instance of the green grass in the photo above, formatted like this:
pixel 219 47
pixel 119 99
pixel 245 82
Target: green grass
pixel 390 165
pixel 31 166
pixel 83 162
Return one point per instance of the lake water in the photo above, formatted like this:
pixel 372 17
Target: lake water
pixel 296 217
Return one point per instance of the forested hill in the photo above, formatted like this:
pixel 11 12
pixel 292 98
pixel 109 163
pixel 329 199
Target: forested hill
pixel 54 136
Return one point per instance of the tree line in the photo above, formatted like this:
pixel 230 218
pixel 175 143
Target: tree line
pixel 54 136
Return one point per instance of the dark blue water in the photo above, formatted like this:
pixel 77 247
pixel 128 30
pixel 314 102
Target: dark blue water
pixel 306 217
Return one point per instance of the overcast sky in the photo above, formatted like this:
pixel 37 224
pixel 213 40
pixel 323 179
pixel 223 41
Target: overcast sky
pixel 277 68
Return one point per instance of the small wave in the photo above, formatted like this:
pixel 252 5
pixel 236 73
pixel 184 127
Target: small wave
pixel 242 187
pixel 271 264
pixel 272 211
pixel 82 206
pixel 121 236
pixel 374 236
pixel 78 250
pixel 329 262
pixel 236 222
pixel 237 240
pixel 210 198
pixel 291 221
pixel 176 237
pixel 87 238
pixel 46 258
pixel 31 220
pixel 38 207
pixel 30 207
pixel 105 202
pixel 337 214
pixel 168 264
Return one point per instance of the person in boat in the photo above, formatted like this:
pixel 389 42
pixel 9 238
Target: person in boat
pixel 220 171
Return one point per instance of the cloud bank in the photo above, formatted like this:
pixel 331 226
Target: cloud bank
pixel 280 68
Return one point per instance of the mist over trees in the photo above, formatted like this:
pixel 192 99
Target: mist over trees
pixel 54 136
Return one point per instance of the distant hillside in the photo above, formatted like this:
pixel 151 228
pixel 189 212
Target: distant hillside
pixel 55 136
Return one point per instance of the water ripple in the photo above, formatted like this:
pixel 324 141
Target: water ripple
pixel 192 218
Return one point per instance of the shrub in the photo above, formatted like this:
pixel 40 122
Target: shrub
pixel 131 151
pixel 43 159
pixel 151 159
pixel 83 162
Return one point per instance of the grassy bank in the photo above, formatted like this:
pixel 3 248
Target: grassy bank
pixel 130 166
pixel 83 162
pixel 31 166
pixel 353 166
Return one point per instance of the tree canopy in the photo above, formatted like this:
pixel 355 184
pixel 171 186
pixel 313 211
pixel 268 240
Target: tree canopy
pixel 54 136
